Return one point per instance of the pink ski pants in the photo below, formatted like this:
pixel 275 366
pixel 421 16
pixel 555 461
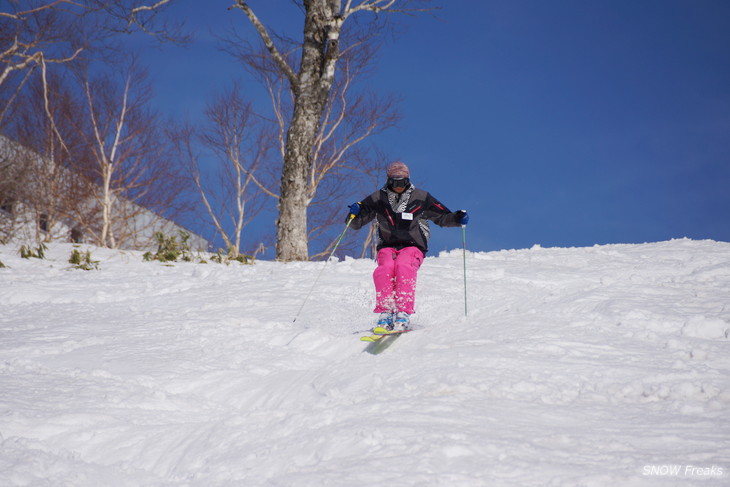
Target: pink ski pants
pixel 395 279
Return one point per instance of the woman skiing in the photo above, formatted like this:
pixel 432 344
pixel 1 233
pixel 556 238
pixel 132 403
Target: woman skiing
pixel 401 214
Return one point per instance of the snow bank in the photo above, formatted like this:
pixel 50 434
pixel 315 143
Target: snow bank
pixel 590 366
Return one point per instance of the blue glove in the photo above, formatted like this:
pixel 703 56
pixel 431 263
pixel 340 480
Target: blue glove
pixel 355 209
pixel 462 217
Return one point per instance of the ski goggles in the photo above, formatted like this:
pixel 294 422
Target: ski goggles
pixel 398 182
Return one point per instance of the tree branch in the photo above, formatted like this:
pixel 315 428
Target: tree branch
pixel 373 6
pixel 144 8
pixel 19 15
pixel 269 43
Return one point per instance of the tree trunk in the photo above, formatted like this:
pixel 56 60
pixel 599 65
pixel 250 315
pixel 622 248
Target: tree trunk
pixel 291 226
pixel 292 241
pixel 314 81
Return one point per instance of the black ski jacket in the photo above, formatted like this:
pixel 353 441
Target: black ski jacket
pixel 408 226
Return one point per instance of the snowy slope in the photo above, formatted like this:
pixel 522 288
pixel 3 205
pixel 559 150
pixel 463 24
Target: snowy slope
pixel 599 366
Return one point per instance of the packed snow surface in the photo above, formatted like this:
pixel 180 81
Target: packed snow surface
pixel 601 366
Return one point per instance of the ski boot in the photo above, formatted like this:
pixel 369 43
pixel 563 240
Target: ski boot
pixel 402 321
pixel 385 320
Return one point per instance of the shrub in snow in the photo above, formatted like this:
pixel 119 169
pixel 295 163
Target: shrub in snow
pixel 222 257
pixel 170 250
pixel 83 261
pixel 38 253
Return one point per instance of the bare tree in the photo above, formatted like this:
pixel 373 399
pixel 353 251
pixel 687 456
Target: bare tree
pixel 311 85
pixel 42 165
pixel 240 142
pixel 128 166
pixel 38 34
pixel 33 35
pixel 341 161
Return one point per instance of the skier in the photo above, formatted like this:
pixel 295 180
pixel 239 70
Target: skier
pixel 401 214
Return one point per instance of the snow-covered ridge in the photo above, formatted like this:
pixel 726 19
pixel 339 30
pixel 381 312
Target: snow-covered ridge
pixel 593 366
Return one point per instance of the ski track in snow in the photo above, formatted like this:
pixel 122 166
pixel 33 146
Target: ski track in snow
pixel 585 366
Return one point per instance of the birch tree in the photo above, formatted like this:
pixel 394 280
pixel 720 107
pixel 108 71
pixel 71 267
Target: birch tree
pixel 341 161
pixel 127 161
pixel 240 142
pixel 310 84
pixel 107 139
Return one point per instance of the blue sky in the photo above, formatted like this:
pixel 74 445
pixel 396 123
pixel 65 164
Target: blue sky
pixel 558 123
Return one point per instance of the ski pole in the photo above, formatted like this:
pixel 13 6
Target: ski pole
pixel 463 245
pixel 314 284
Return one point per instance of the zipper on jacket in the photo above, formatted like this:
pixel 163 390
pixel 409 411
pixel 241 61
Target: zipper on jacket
pixel 387 213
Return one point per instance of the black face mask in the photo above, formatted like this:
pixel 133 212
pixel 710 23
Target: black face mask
pixel 398 183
